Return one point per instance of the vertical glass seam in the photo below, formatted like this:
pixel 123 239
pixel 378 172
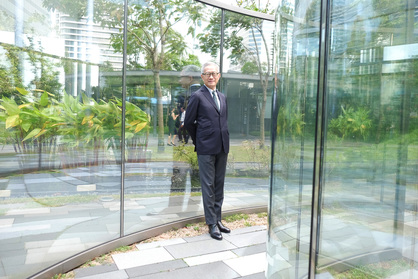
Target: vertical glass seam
pixel 319 136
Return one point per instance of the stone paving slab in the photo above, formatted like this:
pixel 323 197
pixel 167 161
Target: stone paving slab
pixel 155 268
pixel 118 274
pixel 206 271
pixel 190 258
pixel 199 248
pixel 139 258
pixel 210 258
pixel 249 250
pixel 247 239
pixel 248 265
pixel 94 270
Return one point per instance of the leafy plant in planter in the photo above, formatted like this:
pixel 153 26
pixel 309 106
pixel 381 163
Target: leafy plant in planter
pixel 32 127
pixel 186 153
pixel 352 123
pixel 96 125
pixel 77 146
pixel 78 130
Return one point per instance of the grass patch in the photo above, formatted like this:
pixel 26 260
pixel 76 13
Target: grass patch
pixel 375 270
pixel 248 224
pixel 262 214
pixel 236 217
pixel 123 249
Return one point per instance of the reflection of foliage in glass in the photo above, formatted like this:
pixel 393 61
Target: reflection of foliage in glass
pixel 412 83
pixel 236 25
pixel 31 126
pixel 46 78
pixel 259 157
pixel 290 127
pixel 36 125
pixel 6 22
pixel 249 68
pixel 352 123
pixel 186 153
pixel 10 74
pixel 151 33
pixel 290 121
pixel 151 37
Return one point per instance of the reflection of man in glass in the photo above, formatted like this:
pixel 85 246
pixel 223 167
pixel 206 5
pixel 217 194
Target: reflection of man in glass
pixel 189 80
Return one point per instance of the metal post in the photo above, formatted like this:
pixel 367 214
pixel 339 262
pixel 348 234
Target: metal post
pixel 221 46
pixel 317 182
pixel 122 145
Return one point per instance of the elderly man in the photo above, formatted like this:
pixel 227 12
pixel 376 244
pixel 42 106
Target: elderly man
pixel 206 122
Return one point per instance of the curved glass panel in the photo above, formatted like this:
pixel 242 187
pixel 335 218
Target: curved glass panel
pixel 369 194
pixel 366 148
pixel 60 165
pixel 164 186
pixel 297 58
pixel 61 108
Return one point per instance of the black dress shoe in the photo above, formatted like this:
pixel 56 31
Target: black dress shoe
pixel 215 232
pixel 222 228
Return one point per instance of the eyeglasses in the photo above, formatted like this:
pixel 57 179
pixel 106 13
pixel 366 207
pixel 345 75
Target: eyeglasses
pixel 210 74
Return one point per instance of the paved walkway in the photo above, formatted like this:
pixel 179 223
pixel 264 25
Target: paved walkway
pixel 241 254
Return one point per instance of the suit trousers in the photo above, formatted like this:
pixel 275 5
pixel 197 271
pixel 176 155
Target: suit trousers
pixel 212 170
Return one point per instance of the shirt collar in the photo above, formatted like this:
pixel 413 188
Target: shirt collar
pixel 210 90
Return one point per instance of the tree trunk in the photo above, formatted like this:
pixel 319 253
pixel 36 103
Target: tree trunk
pixel 160 111
pixel 262 113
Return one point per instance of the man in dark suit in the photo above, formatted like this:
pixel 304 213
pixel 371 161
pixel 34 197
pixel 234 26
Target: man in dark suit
pixel 206 122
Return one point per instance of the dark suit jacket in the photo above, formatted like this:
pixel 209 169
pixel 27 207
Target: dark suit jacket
pixel 207 126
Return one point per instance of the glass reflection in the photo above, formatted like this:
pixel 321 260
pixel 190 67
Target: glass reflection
pixel 61 123
pixel 297 49
pixel 370 188
pixel 166 186
pixel 60 161
pixel 368 191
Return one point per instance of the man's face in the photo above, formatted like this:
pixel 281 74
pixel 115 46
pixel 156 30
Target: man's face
pixel 211 80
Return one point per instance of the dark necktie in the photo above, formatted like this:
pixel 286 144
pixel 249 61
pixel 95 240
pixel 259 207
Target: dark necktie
pixel 215 99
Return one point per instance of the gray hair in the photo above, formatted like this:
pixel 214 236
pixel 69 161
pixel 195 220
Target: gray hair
pixel 209 64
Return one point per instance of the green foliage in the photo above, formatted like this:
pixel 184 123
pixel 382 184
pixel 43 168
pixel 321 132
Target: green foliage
pixel 236 217
pixel 259 156
pixel 262 214
pixel 290 121
pixel 376 270
pixel 235 24
pixel 186 153
pixel 249 68
pixel 163 47
pixel 248 224
pixel 150 33
pixel 36 125
pixel 352 123
pixel 31 126
pixel 123 249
